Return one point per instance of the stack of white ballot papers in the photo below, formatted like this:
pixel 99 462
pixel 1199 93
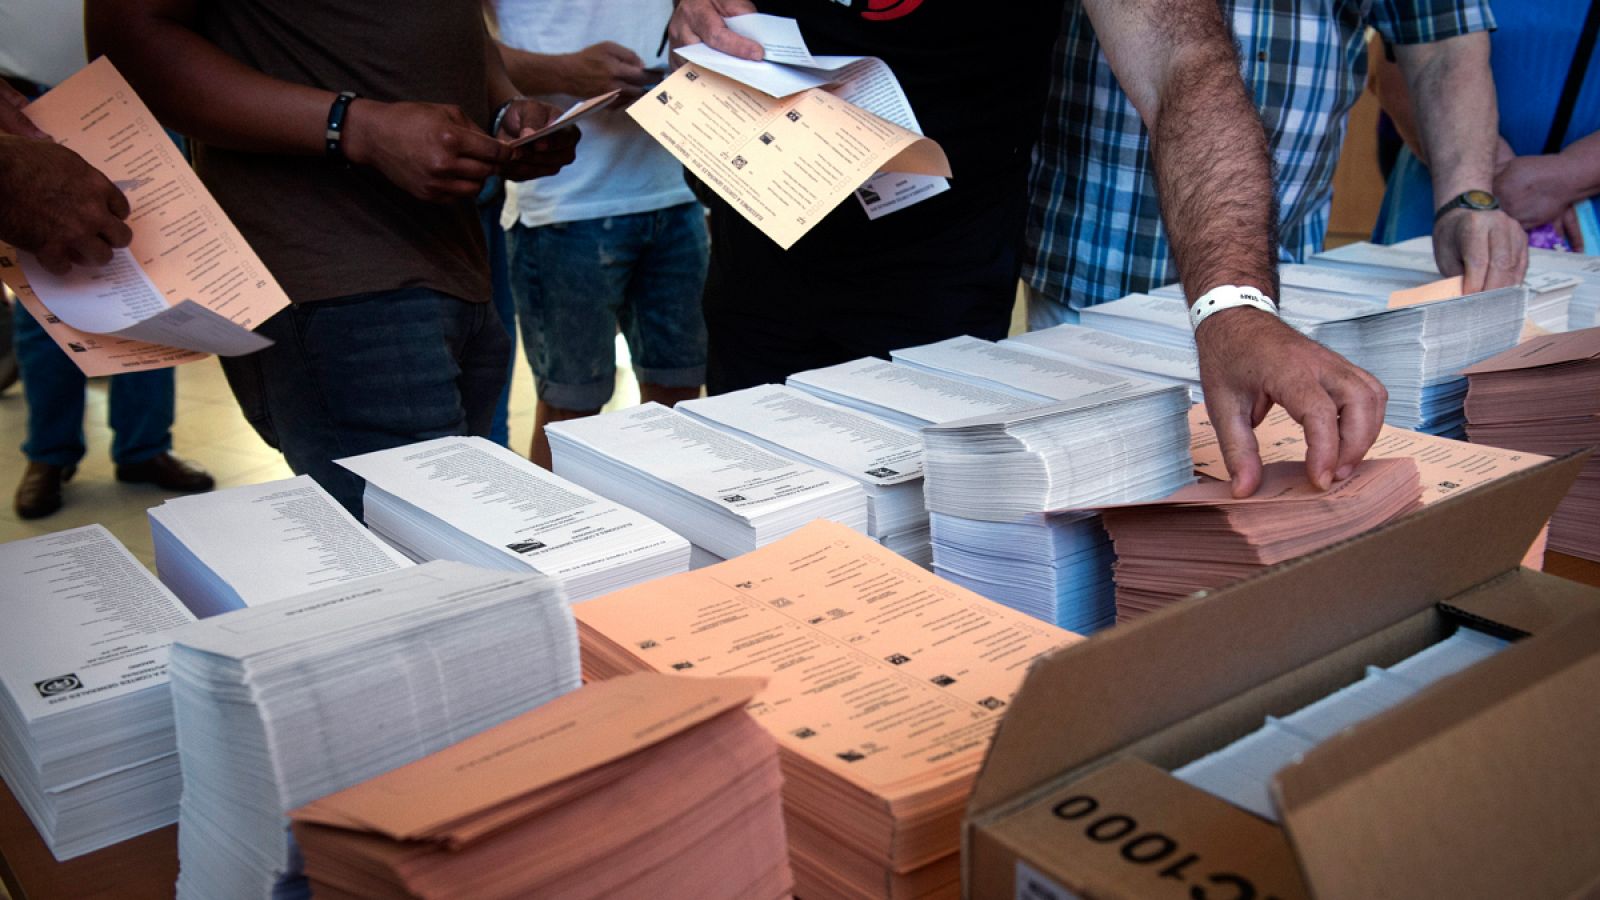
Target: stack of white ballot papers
pixel 1242 772
pixel 1161 362
pixel 725 494
pixel 1053 567
pixel 281 704
pixel 908 396
pixel 299 537
pixel 473 501
pixel 885 458
pixel 86 739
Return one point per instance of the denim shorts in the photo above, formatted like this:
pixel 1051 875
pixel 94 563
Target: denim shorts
pixel 577 283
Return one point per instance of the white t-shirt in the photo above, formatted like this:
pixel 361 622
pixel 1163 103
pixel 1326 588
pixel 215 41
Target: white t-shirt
pixel 619 169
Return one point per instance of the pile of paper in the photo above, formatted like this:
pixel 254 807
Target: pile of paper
pixel 86 738
pixel 299 539
pixel 908 396
pixel 645 786
pixel 1052 567
pixel 278 705
pixel 1585 309
pixel 1202 537
pixel 1552 293
pixel 1544 397
pixel 1164 363
pixel 1242 772
pixel 885 458
pixel 473 501
pixel 725 494
pixel 885 684
pixel 1162 316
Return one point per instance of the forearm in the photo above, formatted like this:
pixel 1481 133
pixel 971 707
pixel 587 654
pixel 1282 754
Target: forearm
pixel 1581 163
pixel 195 88
pixel 1453 96
pixel 536 74
pixel 501 86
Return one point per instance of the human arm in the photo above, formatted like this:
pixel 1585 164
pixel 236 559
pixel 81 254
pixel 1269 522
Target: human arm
pixel 700 21
pixel 524 115
pixel 1457 124
pixel 594 70
pixel 429 150
pixel 58 207
pixel 1176 62
pixel 1543 188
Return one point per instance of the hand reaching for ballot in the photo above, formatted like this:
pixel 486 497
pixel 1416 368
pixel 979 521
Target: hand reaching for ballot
pixel 602 68
pixel 1250 360
pixel 429 150
pixel 543 157
pixel 58 207
pixel 1486 247
pixel 700 22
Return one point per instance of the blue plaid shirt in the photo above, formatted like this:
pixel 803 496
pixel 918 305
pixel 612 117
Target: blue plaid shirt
pixel 1094 223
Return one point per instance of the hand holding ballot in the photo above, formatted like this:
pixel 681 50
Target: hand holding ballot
pixel 701 21
pixel 542 139
pixel 58 207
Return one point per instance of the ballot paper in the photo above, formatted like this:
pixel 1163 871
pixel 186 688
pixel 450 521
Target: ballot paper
pixel 1002 367
pixel 86 734
pixel 1053 567
pixel 1546 269
pixel 1543 396
pixel 725 494
pixel 574 114
pixel 908 396
pixel 299 539
pixel 188 280
pixel 885 685
pixel 473 501
pixel 280 704
pixel 1117 353
pixel 884 458
pixel 644 786
pixel 1242 772
pixel 782 162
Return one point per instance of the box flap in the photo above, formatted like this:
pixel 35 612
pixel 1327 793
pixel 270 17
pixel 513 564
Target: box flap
pixel 1523 602
pixel 1085 701
pixel 1549 350
pixel 1486 785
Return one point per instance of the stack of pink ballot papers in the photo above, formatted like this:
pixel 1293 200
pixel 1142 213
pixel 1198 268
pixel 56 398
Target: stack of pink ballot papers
pixel 644 787
pixel 1201 537
pixel 1543 396
pixel 885 684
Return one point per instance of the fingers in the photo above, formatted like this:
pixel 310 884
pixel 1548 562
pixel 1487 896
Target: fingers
pixel 700 21
pixel 1240 452
pixel 468 144
pixel 1508 252
pixel 1319 416
pixel 117 233
pixel 1474 250
pixel 1571 229
pixel 622 54
pixel 1361 404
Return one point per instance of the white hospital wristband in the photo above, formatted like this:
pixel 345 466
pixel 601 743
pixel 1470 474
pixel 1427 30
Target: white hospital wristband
pixel 1228 296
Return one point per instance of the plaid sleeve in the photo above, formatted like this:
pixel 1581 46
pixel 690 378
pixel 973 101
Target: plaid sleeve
pixel 1423 21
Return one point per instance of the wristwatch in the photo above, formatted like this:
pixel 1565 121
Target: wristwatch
pixel 1473 199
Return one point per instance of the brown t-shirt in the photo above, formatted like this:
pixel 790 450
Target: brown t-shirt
pixel 325 230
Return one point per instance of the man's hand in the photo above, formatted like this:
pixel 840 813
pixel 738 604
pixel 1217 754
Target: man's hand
pixel 429 150
pixel 602 68
pixel 1535 190
pixel 12 121
pixel 1250 360
pixel 700 22
pixel 1569 229
pixel 543 157
pixel 1484 246
pixel 58 207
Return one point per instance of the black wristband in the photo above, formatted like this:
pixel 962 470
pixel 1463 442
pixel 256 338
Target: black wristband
pixel 334 136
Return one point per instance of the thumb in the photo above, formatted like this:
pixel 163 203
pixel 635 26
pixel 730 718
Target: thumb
pixel 621 54
pixel 1240 452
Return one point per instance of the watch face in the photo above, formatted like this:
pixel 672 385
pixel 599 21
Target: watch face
pixel 1480 200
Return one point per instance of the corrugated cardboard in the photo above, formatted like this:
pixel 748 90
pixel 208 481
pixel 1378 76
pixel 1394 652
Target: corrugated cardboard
pixel 1106 717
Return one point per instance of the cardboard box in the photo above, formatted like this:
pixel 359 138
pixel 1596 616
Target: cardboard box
pixel 1486 784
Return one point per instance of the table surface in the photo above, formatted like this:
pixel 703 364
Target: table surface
pixel 146 867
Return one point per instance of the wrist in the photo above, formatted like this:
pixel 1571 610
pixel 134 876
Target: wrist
pixel 360 121
pixel 1227 299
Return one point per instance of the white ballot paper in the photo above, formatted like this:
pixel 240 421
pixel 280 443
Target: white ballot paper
pixel 995 365
pixel 1156 362
pixel 188 280
pixel 908 396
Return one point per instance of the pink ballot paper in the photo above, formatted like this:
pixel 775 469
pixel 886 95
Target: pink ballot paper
pixel 188 285
pixel 576 113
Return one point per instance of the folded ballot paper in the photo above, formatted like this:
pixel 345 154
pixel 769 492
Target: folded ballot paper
pixel 1543 396
pixel 281 704
pixel 86 735
pixel 725 494
pixel 1242 772
pixel 785 140
pixel 1150 360
pixel 885 684
pixel 299 539
pixel 473 501
pixel 1203 537
pixel 886 459
pixel 645 786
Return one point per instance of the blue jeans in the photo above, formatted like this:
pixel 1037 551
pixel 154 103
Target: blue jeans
pixel 370 372
pixel 577 282
pixel 140 404
pixel 490 199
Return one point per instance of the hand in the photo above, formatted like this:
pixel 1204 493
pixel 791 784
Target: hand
pixel 1569 229
pixel 1250 360
pixel 543 157
pixel 58 207
pixel 700 21
pixel 1486 247
pixel 604 67
pixel 1535 190
pixel 12 121
pixel 429 150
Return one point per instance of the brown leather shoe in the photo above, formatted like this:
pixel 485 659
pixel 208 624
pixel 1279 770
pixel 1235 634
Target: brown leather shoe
pixel 39 493
pixel 168 471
